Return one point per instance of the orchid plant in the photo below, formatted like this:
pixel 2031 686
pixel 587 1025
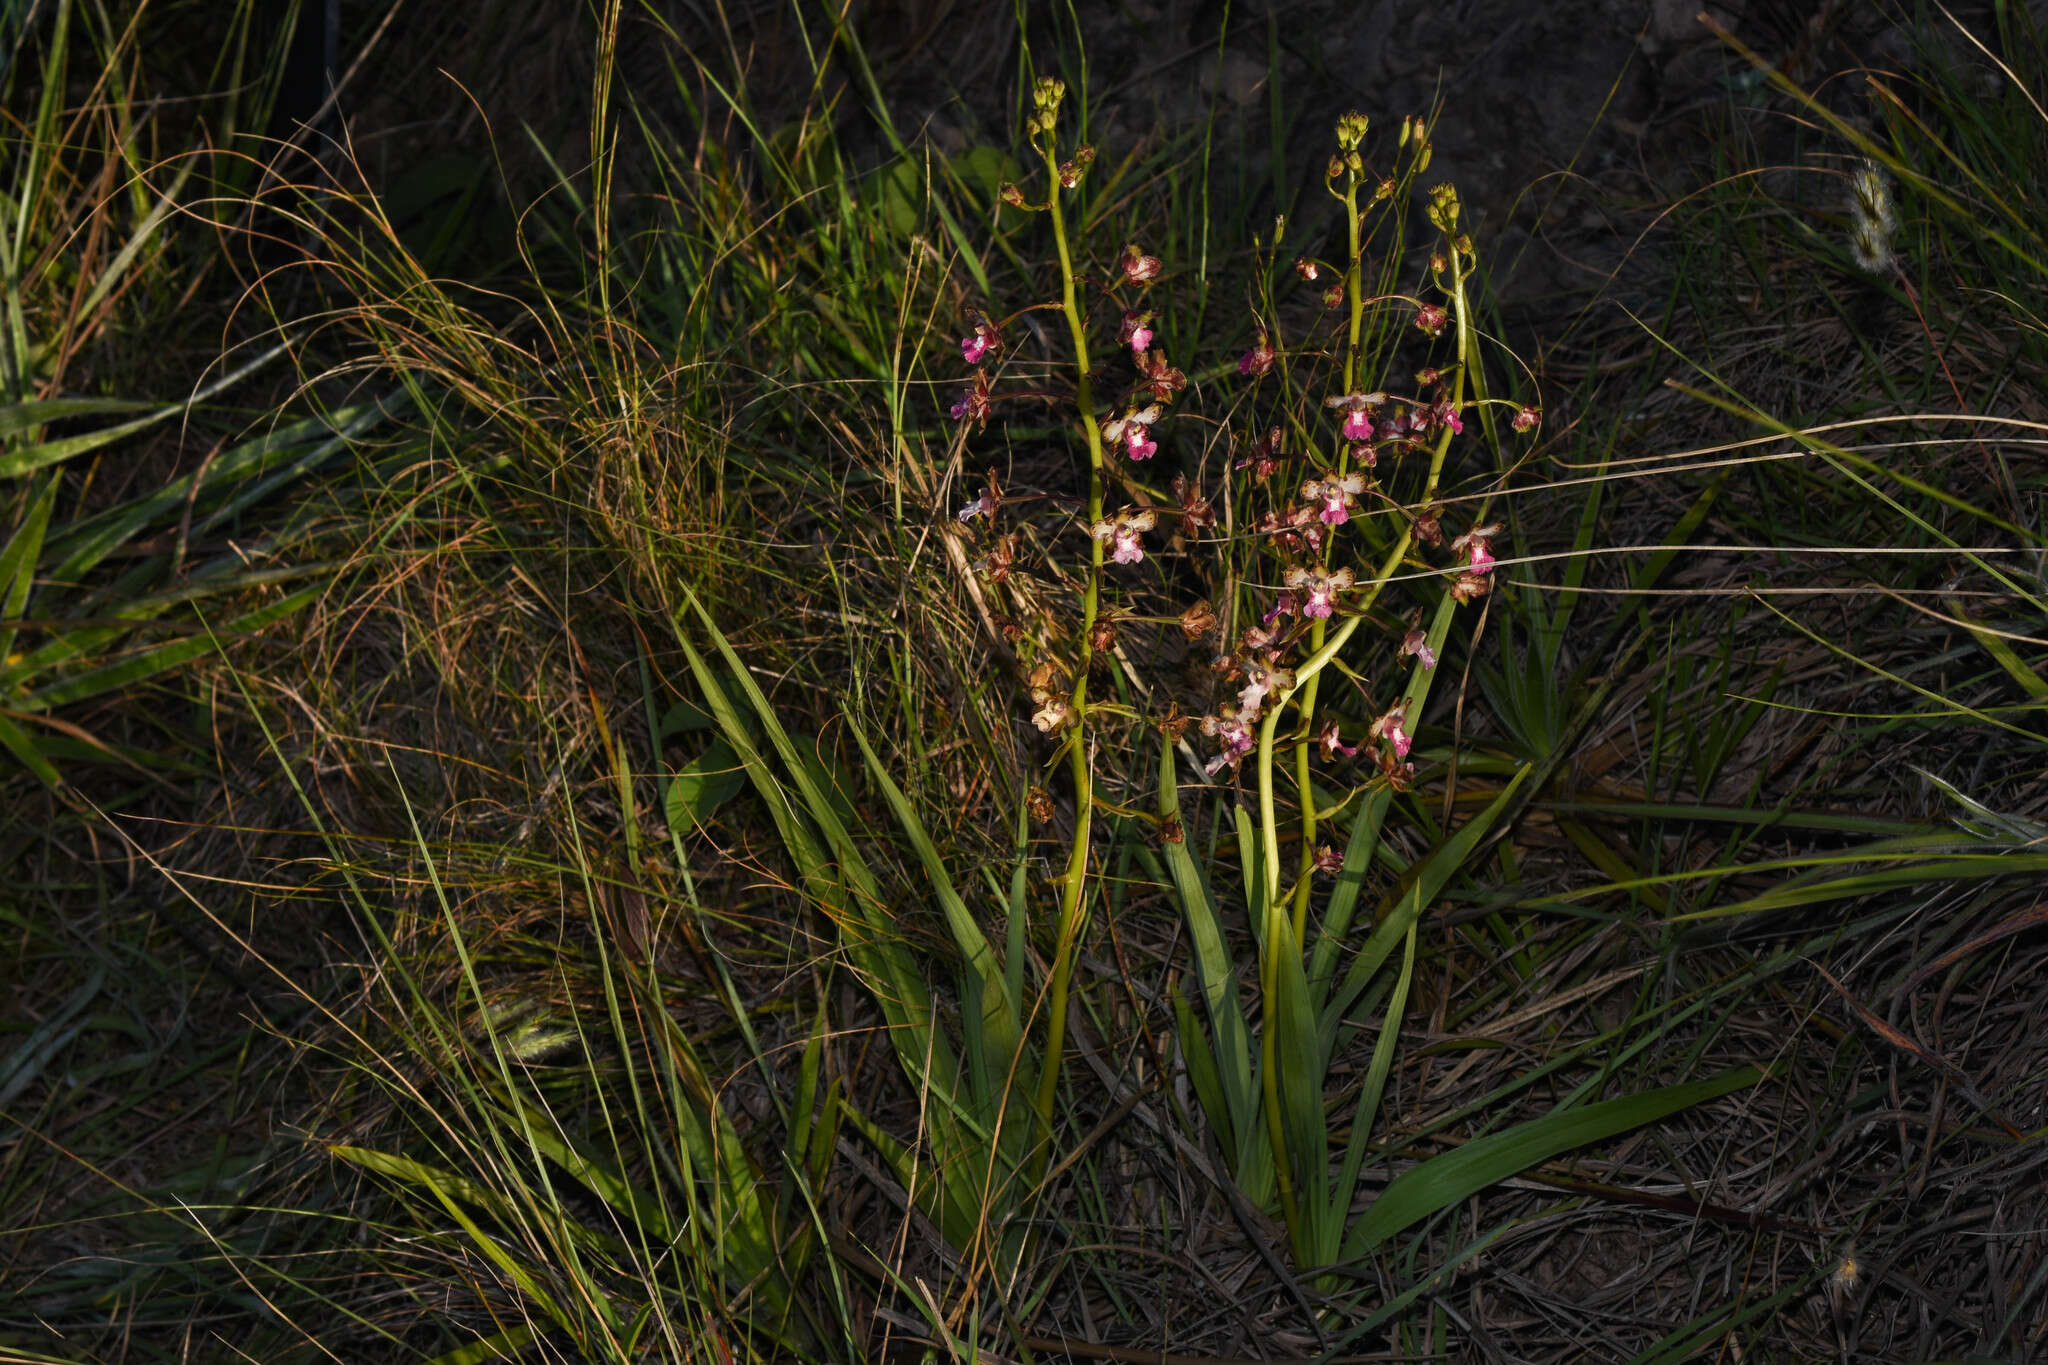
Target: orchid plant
pixel 1326 506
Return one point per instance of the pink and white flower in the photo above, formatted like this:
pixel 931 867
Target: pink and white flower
pixel 1390 727
pixel 1262 678
pixel 985 340
pixel 1332 740
pixel 1416 643
pixel 1474 545
pixel 1124 530
pixel 1337 494
pixel 1136 330
pixel 1134 429
pixel 1358 409
pixel 1233 732
pixel 1318 588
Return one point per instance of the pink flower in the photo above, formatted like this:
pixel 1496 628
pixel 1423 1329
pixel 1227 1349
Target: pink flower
pixel 1358 409
pixel 974 509
pixel 1417 644
pixel 1329 861
pixel 1258 359
pixel 1389 728
pixel 1332 740
pixel 1124 530
pixel 1120 428
pixel 975 405
pixel 1306 269
pixel 1336 493
pixel 1260 679
pixel 1139 446
pixel 1526 417
pixel 1135 331
pixel 1431 318
pixel 1319 588
pixel 1234 732
pixel 984 340
pixel 1473 544
pixel 1139 268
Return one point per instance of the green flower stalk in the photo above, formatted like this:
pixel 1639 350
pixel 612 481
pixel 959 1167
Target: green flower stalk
pixel 1073 902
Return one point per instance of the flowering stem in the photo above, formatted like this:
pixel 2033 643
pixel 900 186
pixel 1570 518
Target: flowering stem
pixel 1354 292
pixel 1322 651
pixel 1073 889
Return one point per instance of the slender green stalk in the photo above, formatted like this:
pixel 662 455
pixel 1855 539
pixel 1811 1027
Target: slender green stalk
pixel 1073 888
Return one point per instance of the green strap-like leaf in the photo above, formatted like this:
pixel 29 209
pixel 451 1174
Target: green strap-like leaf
pixel 1444 1180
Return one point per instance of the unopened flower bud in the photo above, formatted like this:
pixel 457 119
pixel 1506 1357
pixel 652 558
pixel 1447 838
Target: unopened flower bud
pixel 1306 269
pixel 1335 168
pixel 1432 318
pixel 1038 801
pixel 1443 207
pixel 1526 417
pixel 1011 194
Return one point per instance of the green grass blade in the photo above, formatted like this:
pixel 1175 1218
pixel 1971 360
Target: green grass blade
pixel 1419 890
pixel 1215 975
pixel 1444 1180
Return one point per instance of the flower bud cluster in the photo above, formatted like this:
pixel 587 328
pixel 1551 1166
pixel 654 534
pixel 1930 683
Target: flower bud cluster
pixel 1046 94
